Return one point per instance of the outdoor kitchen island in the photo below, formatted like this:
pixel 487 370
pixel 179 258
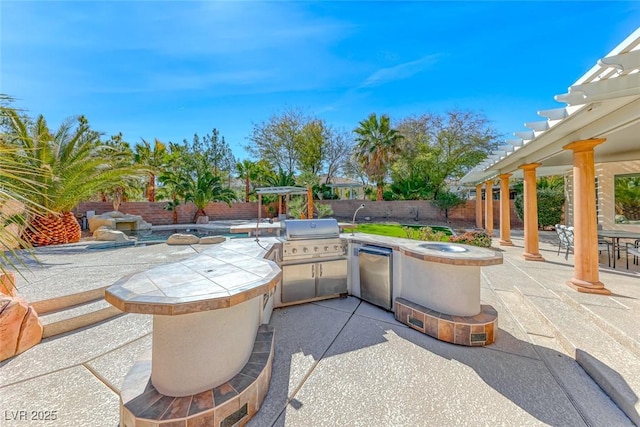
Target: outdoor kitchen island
pixel 434 286
pixel 212 351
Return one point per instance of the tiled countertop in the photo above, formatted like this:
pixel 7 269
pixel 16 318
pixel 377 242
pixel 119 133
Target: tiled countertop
pixel 473 256
pixel 224 275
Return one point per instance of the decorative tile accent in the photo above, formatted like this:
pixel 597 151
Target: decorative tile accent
pixel 229 404
pixel 478 330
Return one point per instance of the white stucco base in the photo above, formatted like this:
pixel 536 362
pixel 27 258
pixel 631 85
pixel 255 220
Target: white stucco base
pixel 199 351
pixel 449 289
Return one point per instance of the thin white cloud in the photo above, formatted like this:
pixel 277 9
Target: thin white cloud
pixel 400 71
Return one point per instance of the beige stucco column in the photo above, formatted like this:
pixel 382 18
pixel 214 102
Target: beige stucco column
pixel 531 244
pixel 586 275
pixel 488 207
pixel 505 211
pixel 479 206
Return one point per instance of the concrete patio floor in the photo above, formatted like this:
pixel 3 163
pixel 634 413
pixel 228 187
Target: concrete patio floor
pixel 344 362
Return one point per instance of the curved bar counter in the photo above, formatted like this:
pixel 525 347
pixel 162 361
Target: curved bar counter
pixel 206 314
pixel 437 288
pixel 210 363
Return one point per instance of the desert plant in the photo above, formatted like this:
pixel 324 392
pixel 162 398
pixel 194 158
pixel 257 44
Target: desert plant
pixel 474 238
pixel 297 207
pixel 447 200
pixel 324 210
pixel 204 188
pixel 72 166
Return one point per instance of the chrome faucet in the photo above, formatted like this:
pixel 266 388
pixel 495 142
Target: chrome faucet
pixel 353 221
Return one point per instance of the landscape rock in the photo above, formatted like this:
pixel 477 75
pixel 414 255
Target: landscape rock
pixel 109 235
pixel 183 239
pixel 118 221
pixel 211 240
pixel 8 283
pixel 20 328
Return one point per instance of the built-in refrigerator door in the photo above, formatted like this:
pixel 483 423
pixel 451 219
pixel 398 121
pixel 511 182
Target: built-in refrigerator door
pixel 298 282
pixel 375 275
pixel 331 277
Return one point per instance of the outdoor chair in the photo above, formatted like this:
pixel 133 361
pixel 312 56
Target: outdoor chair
pixel 633 249
pixel 603 245
pixel 565 239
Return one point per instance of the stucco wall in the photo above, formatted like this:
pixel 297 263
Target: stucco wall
pixel 605 176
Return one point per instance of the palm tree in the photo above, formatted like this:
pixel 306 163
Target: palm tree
pixel 205 188
pixel 151 158
pixel 248 171
pixel 375 148
pixel 280 179
pixel 71 165
pixel 14 209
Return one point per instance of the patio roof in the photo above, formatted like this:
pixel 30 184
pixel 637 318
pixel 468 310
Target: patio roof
pixel 281 190
pixel 603 103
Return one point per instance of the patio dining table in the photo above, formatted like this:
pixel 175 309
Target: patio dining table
pixel 615 236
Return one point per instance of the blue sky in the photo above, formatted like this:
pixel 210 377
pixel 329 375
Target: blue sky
pixel 168 69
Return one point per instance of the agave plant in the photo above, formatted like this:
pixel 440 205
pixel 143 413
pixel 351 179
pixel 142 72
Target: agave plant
pixel 71 165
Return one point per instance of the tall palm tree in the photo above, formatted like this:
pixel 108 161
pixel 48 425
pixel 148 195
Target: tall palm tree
pixel 71 166
pixel 376 145
pixel 205 188
pixel 248 171
pixel 152 158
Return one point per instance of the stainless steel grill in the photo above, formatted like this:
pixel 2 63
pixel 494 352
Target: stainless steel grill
pixel 314 264
pixel 311 238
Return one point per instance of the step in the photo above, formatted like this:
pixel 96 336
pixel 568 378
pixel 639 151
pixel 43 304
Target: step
pixel 66 301
pixel 589 399
pixel 612 365
pixel 622 326
pixel 76 317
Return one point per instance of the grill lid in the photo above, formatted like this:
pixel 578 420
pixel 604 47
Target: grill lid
pixel 301 229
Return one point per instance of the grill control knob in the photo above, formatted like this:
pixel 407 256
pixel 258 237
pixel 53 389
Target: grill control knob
pixel 294 250
pixel 336 247
pixel 305 250
pixel 315 249
pixel 326 248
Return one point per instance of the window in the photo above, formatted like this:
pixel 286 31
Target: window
pixel 627 198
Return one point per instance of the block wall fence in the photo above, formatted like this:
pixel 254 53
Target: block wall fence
pixel 419 211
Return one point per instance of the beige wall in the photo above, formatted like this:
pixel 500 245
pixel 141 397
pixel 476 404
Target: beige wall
pixel 605 173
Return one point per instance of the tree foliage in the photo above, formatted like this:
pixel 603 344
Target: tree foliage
pixel 438 148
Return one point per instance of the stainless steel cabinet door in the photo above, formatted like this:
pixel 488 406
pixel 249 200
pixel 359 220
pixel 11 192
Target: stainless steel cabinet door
pixel 332 277
pixel 298 282
pixel 375 279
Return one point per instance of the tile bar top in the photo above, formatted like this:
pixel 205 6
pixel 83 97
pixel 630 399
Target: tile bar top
pixel 432 251
pixel 222 276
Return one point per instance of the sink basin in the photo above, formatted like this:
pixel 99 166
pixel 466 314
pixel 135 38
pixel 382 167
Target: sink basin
pixel 444 247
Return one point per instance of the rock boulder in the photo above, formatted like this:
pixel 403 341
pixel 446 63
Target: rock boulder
pixel 118 221
pixel 20 328
pixel 183 239
pixel 109 235
pixel 211 240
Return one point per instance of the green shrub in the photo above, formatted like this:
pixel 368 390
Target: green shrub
pixel 474 238
pixel 550 203
pixel 324 210
pixel 425 233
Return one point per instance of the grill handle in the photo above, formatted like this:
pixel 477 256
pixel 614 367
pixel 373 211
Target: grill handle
pixel 311 236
